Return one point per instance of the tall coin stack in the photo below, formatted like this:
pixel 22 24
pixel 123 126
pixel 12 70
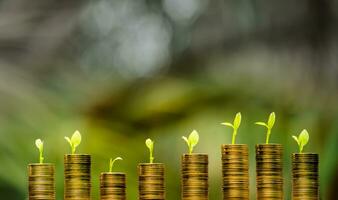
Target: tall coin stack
pixel 41 181
pixel 151 181
pixel 305 184
pixel 194 172
pixel 269 171
pixel 112 186
pixel 235 170
pixel 77 184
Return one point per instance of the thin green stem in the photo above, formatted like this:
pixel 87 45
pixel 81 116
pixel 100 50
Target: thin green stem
pixel 268 136
pixel 234 136
pixel 41 158
pixel 151 159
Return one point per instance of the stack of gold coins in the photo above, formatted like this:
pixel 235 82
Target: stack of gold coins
pixel 77 183
pixel 151 181
pixel 112 186
pixel 195 177
pixel 235 170
pixel 305 184
pixel 41 182
pixel 269 171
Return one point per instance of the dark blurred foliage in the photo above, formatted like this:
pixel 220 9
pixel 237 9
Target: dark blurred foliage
pixel 122 70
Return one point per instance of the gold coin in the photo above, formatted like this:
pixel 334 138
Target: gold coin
pixel 194 172
pixel 41 181
pixel 269 171
pixel 77 180
pixel 235 171
pixel 112 186
pixel 151 181
pixel 305 180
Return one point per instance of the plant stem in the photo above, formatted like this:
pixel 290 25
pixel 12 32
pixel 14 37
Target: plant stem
pixel 234 136
pixel 151 159
pixel 41 158
pixel 268 136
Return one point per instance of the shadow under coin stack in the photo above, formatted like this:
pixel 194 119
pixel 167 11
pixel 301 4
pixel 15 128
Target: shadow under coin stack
pixel 41 181
pixel 305 184
pixel 151 181
pixel 269 171
pixel 195 177
pixel 112 186
pixel 235 170
pixel 77 183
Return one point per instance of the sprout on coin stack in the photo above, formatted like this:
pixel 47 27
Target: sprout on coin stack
pixel 41 177
pixel 151 177
pixel 77 169
pixel 269 165
pixel 235 165
pixel 194 171
pixel 305 180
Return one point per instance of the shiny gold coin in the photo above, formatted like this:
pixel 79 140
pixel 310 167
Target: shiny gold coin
pixel 151 181
pixel 41 181
pixel 269 171
pixel 77 180
pixel 305 178
pixel 194 172
pixel 113 186
pixel 235 171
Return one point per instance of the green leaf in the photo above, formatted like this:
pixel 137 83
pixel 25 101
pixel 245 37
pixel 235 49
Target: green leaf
pixel 271 120
pixel 296 139
pixel 39 144
pixel 111 163
pixel 150 145
pixel 237 120
pixel 186 140
pixel 68 140
pixel 227 124
pixel 262 124
pixel 303 138
pixel 76 139
pixel 193 138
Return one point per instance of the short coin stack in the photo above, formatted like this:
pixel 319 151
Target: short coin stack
pixel 112 186
pixel 151 181
pixel 305 184
pixel 195 177
pixel 235 171
pixel 77 183
pixel 41 181
pixel 269 171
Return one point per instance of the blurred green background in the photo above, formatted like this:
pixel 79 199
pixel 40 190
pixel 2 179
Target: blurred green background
pixel 121 71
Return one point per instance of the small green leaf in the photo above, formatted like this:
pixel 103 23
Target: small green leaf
pixel 237 120
pixel 271 120
pixel 150 145
pixel 303 138
pixel 111 163
pixel 296 139
pixel 262 124
pixel 39 145
pixel 193 138
pixel 76 139
pixel 227 124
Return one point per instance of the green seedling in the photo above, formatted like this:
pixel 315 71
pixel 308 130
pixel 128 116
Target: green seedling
pixel 150 145
pixel 111 163
pixel 74 141
pixel 39 145
pixel 192 140
pixel 302 140
pixel 268 125
pixel 234 126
